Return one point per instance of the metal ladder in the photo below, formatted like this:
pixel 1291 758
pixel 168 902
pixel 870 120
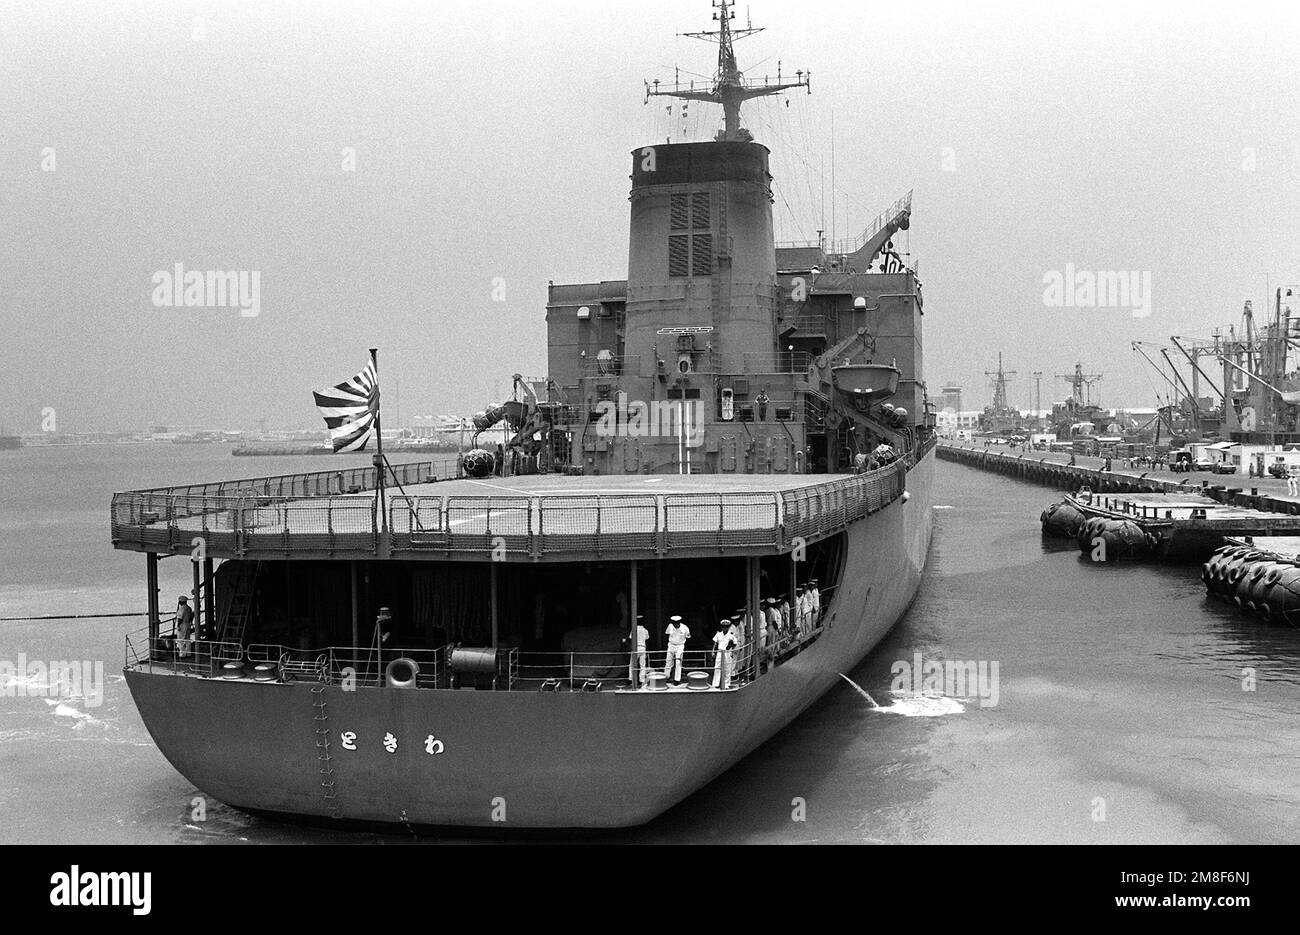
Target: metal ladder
pixel 324 760
pixel 235 618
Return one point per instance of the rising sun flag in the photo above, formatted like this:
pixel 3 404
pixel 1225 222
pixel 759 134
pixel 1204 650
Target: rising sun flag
pixel 351 410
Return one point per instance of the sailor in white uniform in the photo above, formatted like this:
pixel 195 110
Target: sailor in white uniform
pixel 737 632
pixel 642 637
pixel 678 633
pixel 774 619
pixel 722 646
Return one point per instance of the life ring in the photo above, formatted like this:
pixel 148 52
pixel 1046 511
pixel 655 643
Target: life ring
pixel 393 681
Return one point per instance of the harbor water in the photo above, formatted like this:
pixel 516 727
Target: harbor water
pixel 1129 707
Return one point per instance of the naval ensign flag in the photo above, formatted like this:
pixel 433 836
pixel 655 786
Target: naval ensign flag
pixel 351 409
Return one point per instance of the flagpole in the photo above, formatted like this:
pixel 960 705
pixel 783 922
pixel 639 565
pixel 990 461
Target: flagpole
pixel 378 459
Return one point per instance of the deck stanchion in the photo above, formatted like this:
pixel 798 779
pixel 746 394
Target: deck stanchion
pixel 632 604
pixel 197 592
pixel 353 565
pixel 209 599
pixel 493 585
pixel 151 582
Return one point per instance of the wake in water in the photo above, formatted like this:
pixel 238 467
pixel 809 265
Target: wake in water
pixel 80 719
pixel 912 704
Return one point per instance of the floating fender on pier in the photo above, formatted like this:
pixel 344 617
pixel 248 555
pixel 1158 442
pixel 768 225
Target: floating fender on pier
pixel 1281 603
pixel 1216 573
pixel 1061 520
pixel 1254 585
pixel 1212 571
pixel 1234 570
pixel 1125 539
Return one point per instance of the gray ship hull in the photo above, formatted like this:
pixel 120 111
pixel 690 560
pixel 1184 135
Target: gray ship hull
pixel 523 759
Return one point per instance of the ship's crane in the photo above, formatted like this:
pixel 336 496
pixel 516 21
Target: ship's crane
pixel 729 87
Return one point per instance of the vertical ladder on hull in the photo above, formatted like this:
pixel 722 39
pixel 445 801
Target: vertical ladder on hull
pixel 324 761
pixel 235 618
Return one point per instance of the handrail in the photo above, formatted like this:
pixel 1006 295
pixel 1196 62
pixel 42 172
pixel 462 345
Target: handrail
pixel 526 523
pixel 306 484
pixel 515 669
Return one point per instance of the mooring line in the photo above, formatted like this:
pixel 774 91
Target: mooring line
pixel 141 613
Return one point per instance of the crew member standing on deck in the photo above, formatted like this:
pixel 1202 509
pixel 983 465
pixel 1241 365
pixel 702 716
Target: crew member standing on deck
pixel 805 611
pixel 758 639
pixel 184 624
pixel 642 637
pixel 722 644
pixel 1292 484
pixel 737 633
pixel 678 633
pixel 773 618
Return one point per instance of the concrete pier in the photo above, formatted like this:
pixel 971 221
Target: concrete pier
pixel 1052 469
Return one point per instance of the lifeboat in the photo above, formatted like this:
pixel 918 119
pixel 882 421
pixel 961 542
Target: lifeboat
pixel 869 383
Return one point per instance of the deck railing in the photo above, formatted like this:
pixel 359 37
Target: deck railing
pixel 170 519
pixel 514 669
pixel 313 483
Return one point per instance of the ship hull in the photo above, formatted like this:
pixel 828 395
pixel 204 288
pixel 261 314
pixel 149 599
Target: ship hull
pixel 522 759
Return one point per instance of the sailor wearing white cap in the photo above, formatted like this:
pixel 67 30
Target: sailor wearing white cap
pixel 722 660
pixel 805 611
pixel 678 633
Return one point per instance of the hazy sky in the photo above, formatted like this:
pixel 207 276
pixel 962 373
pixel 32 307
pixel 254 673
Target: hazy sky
pixel 491 142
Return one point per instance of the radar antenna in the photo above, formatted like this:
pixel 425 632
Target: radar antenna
pixel 730 87
pixel 1081 383
pixel 1000 379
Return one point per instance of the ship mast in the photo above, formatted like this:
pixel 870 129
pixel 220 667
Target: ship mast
pixel 730 87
